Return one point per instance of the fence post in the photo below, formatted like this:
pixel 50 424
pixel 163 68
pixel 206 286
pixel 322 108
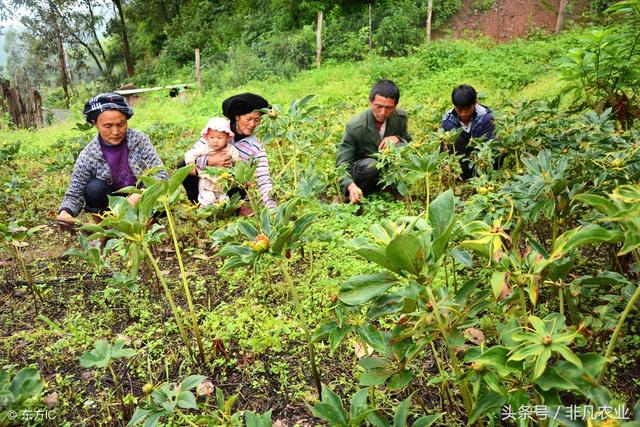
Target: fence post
pixel 429 12
pixel 370 29
pixel 319 40
pixel 198 80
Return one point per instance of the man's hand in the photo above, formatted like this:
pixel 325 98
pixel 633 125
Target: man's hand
pixel 65 219
pixel 355 193
pixel 387 141
pixel 219 159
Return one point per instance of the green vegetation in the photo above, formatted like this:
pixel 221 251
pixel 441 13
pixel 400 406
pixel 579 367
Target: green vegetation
pixel 461 304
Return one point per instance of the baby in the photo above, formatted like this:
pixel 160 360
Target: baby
pixel 213 138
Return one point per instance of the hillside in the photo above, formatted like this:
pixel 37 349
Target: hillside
pixel 508 19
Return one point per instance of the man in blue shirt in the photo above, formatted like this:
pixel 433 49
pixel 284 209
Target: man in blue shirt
pixel 476 121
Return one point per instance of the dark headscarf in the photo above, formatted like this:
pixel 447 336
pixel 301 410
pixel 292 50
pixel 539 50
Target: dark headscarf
pixel 243 103
pixel 103 102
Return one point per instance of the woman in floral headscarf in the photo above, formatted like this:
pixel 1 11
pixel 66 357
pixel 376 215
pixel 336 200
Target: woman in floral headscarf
pixel 111 161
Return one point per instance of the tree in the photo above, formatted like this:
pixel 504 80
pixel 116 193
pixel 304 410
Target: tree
pixel 125 40
pixel 429 12
pixel 561 12
pixel 43 23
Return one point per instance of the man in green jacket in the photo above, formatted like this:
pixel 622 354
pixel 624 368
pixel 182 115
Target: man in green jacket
pixel 366 134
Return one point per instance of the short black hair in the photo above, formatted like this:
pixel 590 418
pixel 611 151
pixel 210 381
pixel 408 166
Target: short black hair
pixel 464 96
pixel 386 89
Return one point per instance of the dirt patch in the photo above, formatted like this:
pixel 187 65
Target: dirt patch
pixel 509 19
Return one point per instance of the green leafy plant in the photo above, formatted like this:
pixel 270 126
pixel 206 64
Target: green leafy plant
pixel 286 127
pixel 102 356
pixel 166 400
pixel 275 242
pixel 130 224
pixel 22 391
pixel 13 235
pixel 93 255
pixel 623 209
pixel 331 410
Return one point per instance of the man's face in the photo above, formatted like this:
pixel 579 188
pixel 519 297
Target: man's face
pixel 465 113
pixel 382 108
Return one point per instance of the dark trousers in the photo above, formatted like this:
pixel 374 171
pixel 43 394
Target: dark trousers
pixel 365 175
pixel 190 185
pixel 461 146
pixel 96 194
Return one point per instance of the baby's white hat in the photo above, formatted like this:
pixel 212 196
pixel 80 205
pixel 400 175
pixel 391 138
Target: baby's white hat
pixel 219 124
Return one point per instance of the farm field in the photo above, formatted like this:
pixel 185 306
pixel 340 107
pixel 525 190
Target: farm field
pixel 488 302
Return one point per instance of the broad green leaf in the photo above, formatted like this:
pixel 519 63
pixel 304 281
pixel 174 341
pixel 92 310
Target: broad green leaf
pixel 191 382
pixel 567 354
pixel 374 254
pixel 426 421
pixel 175 181
pixel 498 280
pixel 99 357
pixel 402 411
pixel 406 253
pixel 153 419
pixel 186 400
pixel 248 229
pixel 486 404
pixel 463 257
pixel 373 337
pixel 330 408
pixel 117 351
pixel 139 415
pixel 373 362
pixel 374 377
pixel 26 382
pixel 358 402
pixel 360 289
pixel 526 352
pixel 400 380
pixel 541 362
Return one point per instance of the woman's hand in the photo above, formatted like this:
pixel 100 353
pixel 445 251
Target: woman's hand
pixel 65 219
pixel 219 159
pixel 133 198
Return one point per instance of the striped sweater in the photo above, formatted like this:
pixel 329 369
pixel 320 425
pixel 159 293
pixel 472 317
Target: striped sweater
pixel 91 164
pixel 249 147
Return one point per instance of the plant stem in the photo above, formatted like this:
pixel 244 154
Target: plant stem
pixel 464 390
pixel 443 374
pixel 561 298
pixel 251 202
pixel 523 305
pixel 426 201
pixel 185 284
pixel 167 293
pixel 303 322
pixel 623 317
pixel 187 420
pixel 25 273
pixel 118 388
pixel 453 270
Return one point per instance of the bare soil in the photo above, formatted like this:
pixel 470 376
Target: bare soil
pixel 509 19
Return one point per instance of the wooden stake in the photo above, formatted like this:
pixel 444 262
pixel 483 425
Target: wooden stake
pixel 319 40
pixel 430 10
pixel 370 44
pixel 198 67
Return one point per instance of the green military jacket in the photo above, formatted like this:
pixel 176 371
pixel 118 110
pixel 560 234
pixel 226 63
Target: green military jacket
pixel 361 139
